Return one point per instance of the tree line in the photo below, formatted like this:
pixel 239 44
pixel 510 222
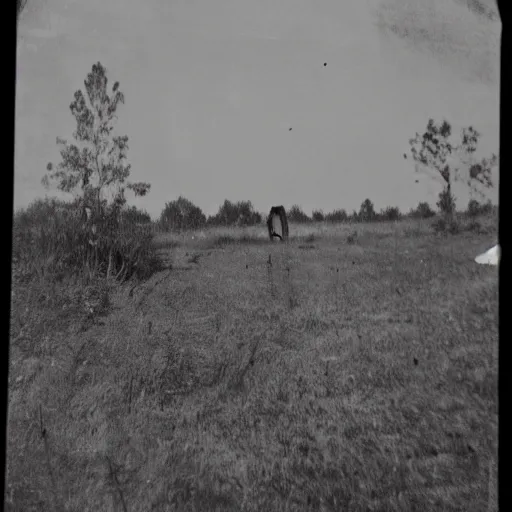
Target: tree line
pixel 181 214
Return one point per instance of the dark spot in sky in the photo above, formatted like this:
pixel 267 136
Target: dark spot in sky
pixel 416 181
pixel 405 156
pixel 325 64
pixel 289 129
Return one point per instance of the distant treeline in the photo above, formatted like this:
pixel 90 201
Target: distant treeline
pixel 181 214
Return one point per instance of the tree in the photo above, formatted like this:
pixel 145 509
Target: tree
pixel 337 216
pixel 446 202
pixel 366 211
pixel 318 215
pixel 433 151
pixel 476 208
pixel 133 216
pixel 422 211
pixel 241 213
pixel 390 213
pixel 246 214
pixel 182 214
pixel 480 177
pixel 297 215
pixel 95 167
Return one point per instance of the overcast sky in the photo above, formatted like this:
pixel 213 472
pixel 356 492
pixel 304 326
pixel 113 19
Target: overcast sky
pixel 213 87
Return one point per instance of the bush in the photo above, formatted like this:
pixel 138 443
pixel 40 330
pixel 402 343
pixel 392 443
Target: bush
pixel 444 225
pixel 180 215
pixel 62 242
pixel 475 227
pixel 422 211
pixel 390 213
pixel 367 211
pixel 318 215
pixel 297 215
pixel 241 213
pixel 132 216
pixel 475 208
pixel 337 216
pixel 446 202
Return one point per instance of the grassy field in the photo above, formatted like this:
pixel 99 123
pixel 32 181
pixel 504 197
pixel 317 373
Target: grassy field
pixel 357 371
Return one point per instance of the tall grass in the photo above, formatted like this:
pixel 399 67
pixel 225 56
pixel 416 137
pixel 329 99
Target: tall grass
pixel 51 239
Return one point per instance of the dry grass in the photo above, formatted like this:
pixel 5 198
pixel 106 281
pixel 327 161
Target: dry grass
pixel 343 376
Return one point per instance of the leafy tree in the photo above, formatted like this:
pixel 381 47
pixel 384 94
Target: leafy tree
pixel 337 216
pixel 94 168
pixel 318 215
pixel 133 216
pixel 480 177
pixel 422 211
pixel 367 211
pixel 475 208
pixel 433 151
pixel 247 216
pixel 182 214
pixel 390 213
pixel 297 215
pixel 446 202
pixel 241 213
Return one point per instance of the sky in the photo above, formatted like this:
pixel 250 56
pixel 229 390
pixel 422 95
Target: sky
pixel 212 89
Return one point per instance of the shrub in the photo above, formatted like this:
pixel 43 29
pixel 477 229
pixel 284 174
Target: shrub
pixel 297 215
pixel 318 215
pixel 60 242
pixel 422 211
pixel 180 215
pixel 132 216
pixel 337 216
pixel 390 213
pixel 367 211
pixel 474 226
pixel 241 213
pixel 446 202
pixel 476 208
pixel 446 225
